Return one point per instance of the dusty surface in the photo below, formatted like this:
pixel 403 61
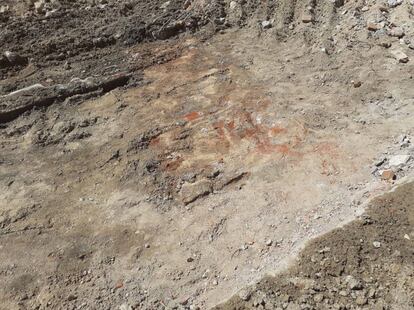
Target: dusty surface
pixel 149 173
pixel 367 264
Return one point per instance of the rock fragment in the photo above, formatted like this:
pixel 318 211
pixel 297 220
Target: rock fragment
pixel 10 59
pixel 266 24
pixel 307 18
pixel 353 284
pixel 397 32
pixel 356 84
pixel 400 56
pixel 39 6
pixel 4 9
pixel 394 3
pixel 192 191
pixel 318 298
pixel 385 44
pixel 72 297
pixel 361 300
pixel 371 26
pixel 380 161
pixel 388 175
pixel 399 160
pixel 245 294
pixel 338 3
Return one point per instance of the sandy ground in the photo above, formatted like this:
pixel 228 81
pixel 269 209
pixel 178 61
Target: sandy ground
pixel 210 166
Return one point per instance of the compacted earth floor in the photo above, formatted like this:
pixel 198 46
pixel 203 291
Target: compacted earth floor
pixel 171 155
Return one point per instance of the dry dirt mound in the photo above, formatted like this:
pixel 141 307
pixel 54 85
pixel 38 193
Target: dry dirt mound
pixel 367 264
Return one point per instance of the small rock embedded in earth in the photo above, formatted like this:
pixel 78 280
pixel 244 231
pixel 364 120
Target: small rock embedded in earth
pixel 400 56
pixel 353 283
pixel 266 24
pixel 397 32
pixel 25 90
pixel 269 242
pixel 12 59
pixel 338 3
pixel 147 246
pixel 371 293
pixel 318 298
pixel 192 191
pixel 361 300
pixel 307 18
pixel 383 8
pixel 39 6
pixel 380 162
pixel 184 301
pixel 190 259
pixel 233 5
pixel 72 297
pixel 386 44
pixel 398 160
pixel 165 5
pixel 388 175
pixel 394 3
pixel 125 307
pixel 245 294
pixel 406 237
pixel 325 250
pixel 376 244
pixel 356 84
pixel 4 9
pixel 371 26
pixel 404 141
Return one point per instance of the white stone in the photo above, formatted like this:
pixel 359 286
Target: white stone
pixel 376 244
pixel 394 3
pixel 399 160
pixel 266 24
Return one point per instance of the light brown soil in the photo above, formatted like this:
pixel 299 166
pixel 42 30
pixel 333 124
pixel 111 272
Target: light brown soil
pixel 158 170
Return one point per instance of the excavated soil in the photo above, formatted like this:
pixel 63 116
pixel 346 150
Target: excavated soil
pixel 172 154
pixel 367 264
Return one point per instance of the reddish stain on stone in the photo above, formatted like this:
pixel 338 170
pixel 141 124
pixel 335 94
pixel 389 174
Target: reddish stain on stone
pixel 192 116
